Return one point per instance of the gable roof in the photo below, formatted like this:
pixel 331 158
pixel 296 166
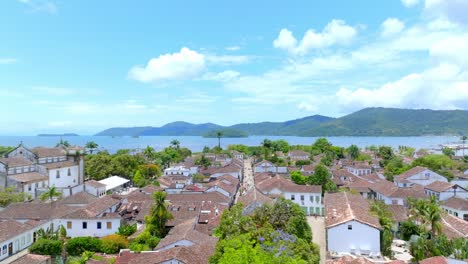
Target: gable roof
pixel 95 208
pixel 43 152
pixel 454 227
pixel 28 177
pixel 439 186
pixel 342 207
pixel 186 231
pixel 456 203
pixel 17 161
pixel 411 172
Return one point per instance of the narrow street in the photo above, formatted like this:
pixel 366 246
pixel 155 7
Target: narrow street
pixel 318 234
pixel 247 180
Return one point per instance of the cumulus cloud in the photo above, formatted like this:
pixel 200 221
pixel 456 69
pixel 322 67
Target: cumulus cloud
pixel 337 32
pixel 392 26
pixel 453 10
pixel 410 3
pixel 437 88
pixel 185 64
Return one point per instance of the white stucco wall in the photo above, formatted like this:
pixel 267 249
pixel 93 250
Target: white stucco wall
pixel 77 230
pixel 426 177
pixel 64 180
pixel 360 237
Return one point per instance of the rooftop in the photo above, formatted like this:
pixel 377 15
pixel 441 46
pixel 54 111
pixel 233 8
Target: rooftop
pixel 17 161
pixel 456 203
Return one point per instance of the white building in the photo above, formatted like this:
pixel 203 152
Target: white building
pixel 359 169
pixel 350 227
pixel 389 193
pixel 445 190
pixel 418 175
pixel 177 170
pixel 115 183
pixel 456 206
pixel 295 155
pixel 266 166
pixel 308 197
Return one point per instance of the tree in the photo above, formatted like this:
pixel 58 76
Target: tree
pixel 298 178
pixel 381 210
pixel 219 135
pixel 353 151
pixel 125 164
pixel 427 213
pixel 77 245
pixel 159 215
pixel 386 153
pixel 91 145
pixel 198 177
pixel 111 244
pixel 9 195
pixel 203 161
pixel 4 150
pixel 148 152
pixel 321 175
pixel 51 194
pixel 448 152
pixel 63 143
pixel 150 170
pixel 463 139
pixel 138 180
pixel 46 247
pixel 175 143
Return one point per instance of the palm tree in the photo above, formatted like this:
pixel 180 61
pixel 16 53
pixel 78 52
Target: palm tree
pixel 434 217
pixel 175 143
pixel 267 144
pixel 50 194
pixel 63 143
pixel 219 135
pixel 91 145
pixel 353 151
pixel 159 215
pixel 148 152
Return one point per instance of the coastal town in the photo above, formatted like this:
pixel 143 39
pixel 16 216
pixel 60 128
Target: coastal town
pixel 272 203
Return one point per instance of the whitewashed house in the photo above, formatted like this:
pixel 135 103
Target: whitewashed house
pixel 177 170
pixel 308 197
pixel 231 169
pixel 359 169
pixel 456 206
pixel 95 188
pixel 418 175
pixel 350 227
pixel 445 190
pixel 389 193
pixel 96 219
pixel 227 185
pixel 296 155
pixel 115 183
pixel 267 166
pixel 237 155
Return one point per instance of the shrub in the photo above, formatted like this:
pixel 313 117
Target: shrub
pixel 127 230
pixel 111 244
pixel 46 247
pixel 76 246
pixel 137 247
pixel 146 238
pixel 302 162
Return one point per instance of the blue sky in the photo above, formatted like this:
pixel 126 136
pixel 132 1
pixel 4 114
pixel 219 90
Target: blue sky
pixel 83 66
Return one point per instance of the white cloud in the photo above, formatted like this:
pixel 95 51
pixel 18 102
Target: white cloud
pixel 452 49
pixel 223 76
pixel 40 5
pixel 436 88
pixel 337 32
pixel 8 60
pixel 392 26
pixel 53 90
pixel 185 64
pixel 453 10
pixel 410 3
pixel 227 59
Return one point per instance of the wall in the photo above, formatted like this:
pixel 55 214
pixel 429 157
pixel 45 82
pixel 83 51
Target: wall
pixel 64 180
pixel 424 180
pixel 340 239
pixel 457 213
pixel 92 230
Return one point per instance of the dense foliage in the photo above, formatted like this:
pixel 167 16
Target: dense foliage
pixel 46 247
pixel 76 246
pixel 272 234
pixel 112 244
pixel 4 150
pixel 159 215
pixel 127 230
pixel 9 195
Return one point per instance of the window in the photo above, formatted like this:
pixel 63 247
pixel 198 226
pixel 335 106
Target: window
pixel 350 227
pixel 302 197
pixel 109 225
pixel 292 197
pixel 69 225
pixel 29 187
pixel 69 172
pixel 85 225
pixel 317 199
pixel 57 174
pixel 99 225
pixel 4 250
pixel 456 214
pixel 311 198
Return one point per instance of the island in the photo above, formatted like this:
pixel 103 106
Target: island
pixel 59 135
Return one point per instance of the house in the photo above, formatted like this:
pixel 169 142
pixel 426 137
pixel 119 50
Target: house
pixel 33 170
pixel 231 169
pixel 33 259
pixel 307 169
pixel 252 199
pixel 183 244
pixel 359 168
pixel 95 188
pixel 350 227
pixel 441 260
pixel 460 178
pixel 444 190
pixel 390 194
pixel 418 175
pixel 296 155
pixel 97 219
pixel 177 170
pixel 267 166
pixel 308 197
pixel 237 155
pixel 454 227
pixel 456 206
pixel 227 185
pixel 115 183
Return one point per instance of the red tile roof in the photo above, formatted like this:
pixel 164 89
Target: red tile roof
pixel 278 182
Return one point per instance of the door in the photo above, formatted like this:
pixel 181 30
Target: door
pixel 10 249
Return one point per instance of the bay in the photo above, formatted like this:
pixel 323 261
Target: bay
pixel 196 143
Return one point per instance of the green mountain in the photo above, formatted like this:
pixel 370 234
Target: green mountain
pixel 366 122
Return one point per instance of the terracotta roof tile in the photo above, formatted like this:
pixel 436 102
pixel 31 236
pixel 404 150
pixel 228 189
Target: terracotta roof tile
pixel 434 260
pixel 454 227
pixel 60 164
pixel 18 161
pixel 456 203
pixel 32 259
pixel 28 177
pixel 43 152
pixel 342 207
pixel 278 182
pixel 410 172
pixel 439 186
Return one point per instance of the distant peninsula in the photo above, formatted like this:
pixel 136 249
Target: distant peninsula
pixel 375 121
pixel 59 135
